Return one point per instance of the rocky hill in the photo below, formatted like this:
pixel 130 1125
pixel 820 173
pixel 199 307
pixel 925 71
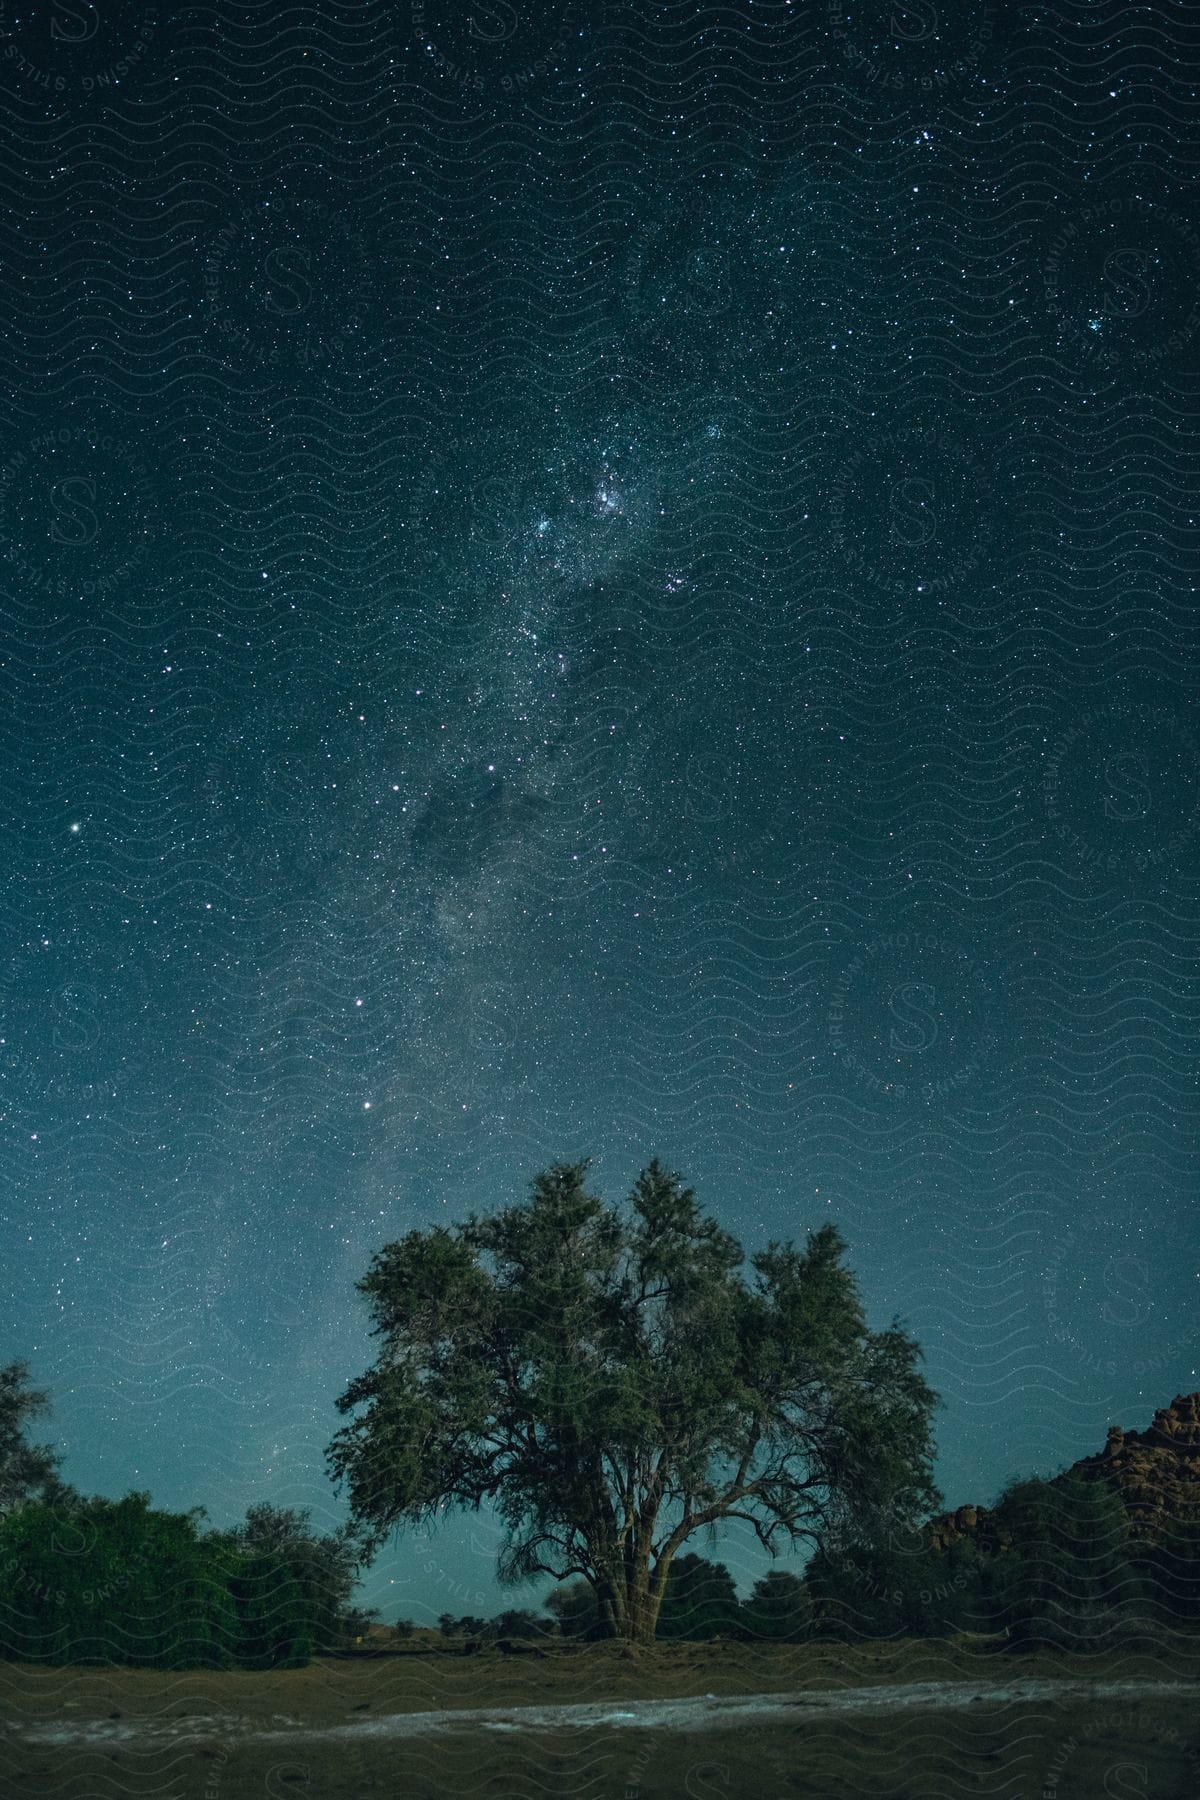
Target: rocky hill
pixel 1156 1472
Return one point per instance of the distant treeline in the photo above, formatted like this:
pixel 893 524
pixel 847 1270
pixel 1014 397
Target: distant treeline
pixel 700 1602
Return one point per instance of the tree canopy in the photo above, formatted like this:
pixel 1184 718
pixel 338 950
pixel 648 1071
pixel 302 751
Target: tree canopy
pixel 27 1471
pixel 323 1567
pixel 613 1383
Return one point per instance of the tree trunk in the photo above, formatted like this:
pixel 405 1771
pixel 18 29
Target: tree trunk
pixel 654 1597
pixel 643 1622
pixel 642 1603
pixel 629 1602
pixel 609 1602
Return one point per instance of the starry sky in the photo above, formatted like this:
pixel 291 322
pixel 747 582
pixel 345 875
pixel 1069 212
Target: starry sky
pixel 594 581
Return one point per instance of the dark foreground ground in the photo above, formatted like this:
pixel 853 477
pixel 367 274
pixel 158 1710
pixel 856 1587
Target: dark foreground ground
pixel 893 1722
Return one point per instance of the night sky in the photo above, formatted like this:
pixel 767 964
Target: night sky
pixel 603 582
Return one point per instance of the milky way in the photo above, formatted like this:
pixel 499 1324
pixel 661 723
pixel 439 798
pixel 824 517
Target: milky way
pixel 623 588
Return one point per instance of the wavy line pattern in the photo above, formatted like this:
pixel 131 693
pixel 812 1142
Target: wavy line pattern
pixel 594 581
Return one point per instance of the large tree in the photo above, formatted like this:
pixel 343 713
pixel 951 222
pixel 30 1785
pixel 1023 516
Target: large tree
pixel 612 1383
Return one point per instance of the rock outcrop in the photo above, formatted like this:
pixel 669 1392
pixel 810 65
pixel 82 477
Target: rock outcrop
pixel 972 1524
pixel 1156 1472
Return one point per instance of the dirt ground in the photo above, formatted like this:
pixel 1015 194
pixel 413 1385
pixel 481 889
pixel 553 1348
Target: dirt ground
pixel 329 1732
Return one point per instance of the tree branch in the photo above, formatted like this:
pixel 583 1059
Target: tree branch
pixel 692 1521
pixel 541 1568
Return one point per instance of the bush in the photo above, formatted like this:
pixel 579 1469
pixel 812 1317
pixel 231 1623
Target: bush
pixel 467 1626
pixel 1171 1571
pixel 575 1610
pixel 699 1601
pixel 114 1582
pixel 779 1609
pixel 520 1624
pixel 1089 1626
pixel 323 1568
pixel 1070 1570
pixel 276 1624
pixel 895 1588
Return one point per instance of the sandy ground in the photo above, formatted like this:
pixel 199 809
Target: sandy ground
pixel 895 1722
pixel 705 1712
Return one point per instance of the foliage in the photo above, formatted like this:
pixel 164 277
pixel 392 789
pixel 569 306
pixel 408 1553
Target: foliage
pixel 114 1582
pixel 519 1623
pixel 614 1384
pixel 894 1585
pixel 1171 1570
pixel 700 1601
pixel 575 1609
pixel 324 1568
pixel 275 1618
pixel 515 1623
pixel 357 1622
pixel 27 1471
pixel 468 1626
pixel 1070 1561
pixel 1067 1580
pixel 779 1609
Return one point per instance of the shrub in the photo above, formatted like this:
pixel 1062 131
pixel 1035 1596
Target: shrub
pixel 700 1601
pixel 1070 1568
pixel 895 1587
pixel 114 1582
pixel 575 1610
pixel 276 1630
pixel 1089 1626
pixel 779 1609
